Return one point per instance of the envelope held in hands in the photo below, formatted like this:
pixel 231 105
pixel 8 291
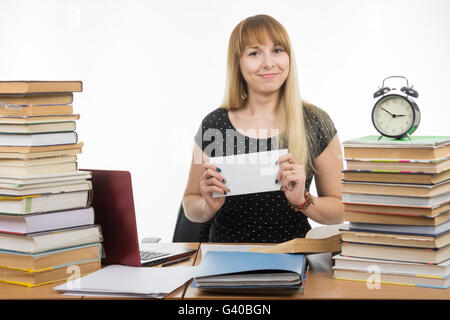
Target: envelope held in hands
pixel 250 172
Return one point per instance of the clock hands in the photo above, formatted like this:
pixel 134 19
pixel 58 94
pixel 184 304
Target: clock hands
pixel 387 111
pixel 393 114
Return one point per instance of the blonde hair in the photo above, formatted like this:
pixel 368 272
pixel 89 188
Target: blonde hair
pixel 254 30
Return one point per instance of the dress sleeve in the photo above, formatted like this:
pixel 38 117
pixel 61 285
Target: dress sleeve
pixel 210 134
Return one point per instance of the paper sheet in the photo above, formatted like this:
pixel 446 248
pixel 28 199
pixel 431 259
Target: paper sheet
pixel 249 173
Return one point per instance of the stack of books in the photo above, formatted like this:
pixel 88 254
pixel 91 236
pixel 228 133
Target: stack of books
pixel 47 230
pixel 396 195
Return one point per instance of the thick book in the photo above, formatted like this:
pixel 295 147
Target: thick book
pixel 38 139
pixel 38 86
pixel 8 171
pixel 32 279
pixel 400 166
pixel 36 155
pixel 418 147
pixel 66 126
pixel 398 278
pixel 45 202
pixel 36 99
pixel 50 259
pixel 401 201
pixel 39 119
pixel 56 187
pixel 397 210
pixel 396 253
pixel 395 239
pixel 396 189
pixel 32 223
pixel 433 231
pixel 21 167
pixel 37 181
pixel 353 216
pixel 39 149
pixel 440 270
pixel 37 161
pixel 30 110
pixel 50 240
pixel 253 272
pixel 396 177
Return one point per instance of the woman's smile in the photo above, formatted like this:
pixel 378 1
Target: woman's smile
pixel 268 75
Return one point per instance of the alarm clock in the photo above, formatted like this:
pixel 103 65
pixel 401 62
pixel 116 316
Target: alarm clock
pixel 395 114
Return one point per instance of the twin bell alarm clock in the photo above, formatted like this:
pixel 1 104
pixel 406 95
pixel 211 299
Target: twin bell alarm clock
pixel 395 114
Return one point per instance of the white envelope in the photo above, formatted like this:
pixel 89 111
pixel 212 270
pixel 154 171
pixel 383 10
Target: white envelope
pixel 249 173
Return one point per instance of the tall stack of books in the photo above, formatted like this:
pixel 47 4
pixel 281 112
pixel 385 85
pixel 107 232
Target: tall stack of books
pixel 396 195
pixel 47 230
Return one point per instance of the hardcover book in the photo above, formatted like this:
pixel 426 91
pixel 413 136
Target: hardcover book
pixel 419 147
pixel 34 86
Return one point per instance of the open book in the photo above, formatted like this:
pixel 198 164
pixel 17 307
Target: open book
pixel 318 240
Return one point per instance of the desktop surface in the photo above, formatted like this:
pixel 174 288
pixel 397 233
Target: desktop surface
pixel 319 286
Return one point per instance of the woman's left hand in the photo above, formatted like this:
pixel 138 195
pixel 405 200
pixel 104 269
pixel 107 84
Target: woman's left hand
pixel 292 178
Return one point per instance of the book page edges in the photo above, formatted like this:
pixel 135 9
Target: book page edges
pixel 302 245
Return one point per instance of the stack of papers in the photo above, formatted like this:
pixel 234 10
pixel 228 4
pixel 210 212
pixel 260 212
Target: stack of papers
pixel 123 281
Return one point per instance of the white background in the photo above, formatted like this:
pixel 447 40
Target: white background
pixel 153 69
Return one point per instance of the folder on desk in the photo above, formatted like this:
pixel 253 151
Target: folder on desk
pixel 251 272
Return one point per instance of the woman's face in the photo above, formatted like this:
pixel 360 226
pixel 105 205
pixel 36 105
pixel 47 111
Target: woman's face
pixel 264 67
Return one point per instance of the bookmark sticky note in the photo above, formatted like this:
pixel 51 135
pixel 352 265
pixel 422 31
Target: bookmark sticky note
pixel 249 173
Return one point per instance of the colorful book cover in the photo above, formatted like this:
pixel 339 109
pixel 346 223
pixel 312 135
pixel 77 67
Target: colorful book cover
pixel 411 142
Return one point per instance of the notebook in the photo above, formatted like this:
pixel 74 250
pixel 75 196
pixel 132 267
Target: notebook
pixel 113 205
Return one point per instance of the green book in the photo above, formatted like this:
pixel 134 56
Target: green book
pixel 385 142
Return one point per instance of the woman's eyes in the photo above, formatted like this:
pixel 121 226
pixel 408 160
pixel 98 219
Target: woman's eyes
pixel 277 50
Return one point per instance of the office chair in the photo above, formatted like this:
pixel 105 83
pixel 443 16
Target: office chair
pixel 188 231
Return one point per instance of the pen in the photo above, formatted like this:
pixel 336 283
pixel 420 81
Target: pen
pixel 175 261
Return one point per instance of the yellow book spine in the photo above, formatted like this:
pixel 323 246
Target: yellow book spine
pixel 28 285
pixel 383 282
pixel 28 270
pixel 3 197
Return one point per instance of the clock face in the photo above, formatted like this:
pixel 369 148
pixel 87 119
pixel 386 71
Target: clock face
pixel 393 116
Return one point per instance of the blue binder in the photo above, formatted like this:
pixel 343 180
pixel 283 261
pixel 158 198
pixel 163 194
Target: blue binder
pixel 217 263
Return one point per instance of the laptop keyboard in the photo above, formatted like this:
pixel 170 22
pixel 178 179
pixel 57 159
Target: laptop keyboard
pixel 147 255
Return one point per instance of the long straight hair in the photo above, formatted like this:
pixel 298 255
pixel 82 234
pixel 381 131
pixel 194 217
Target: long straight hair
pixel 255 30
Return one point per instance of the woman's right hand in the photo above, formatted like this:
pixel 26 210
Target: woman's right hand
pixel 212 181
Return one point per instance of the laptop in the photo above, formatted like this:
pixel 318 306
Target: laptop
pixel 113 203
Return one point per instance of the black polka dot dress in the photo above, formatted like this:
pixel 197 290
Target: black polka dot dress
pixel 258 217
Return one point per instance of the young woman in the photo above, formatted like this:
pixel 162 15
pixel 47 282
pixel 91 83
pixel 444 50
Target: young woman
pixel 262 98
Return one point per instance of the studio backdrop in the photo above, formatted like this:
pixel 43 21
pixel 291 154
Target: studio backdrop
pixel 153 69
